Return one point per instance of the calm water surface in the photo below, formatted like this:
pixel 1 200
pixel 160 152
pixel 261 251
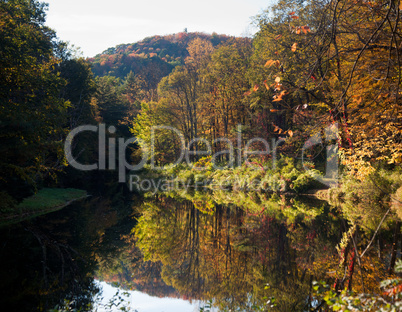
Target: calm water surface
pixel 172 252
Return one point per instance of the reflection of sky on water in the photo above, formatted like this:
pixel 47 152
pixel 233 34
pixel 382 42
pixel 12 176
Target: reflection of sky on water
pixel 144 303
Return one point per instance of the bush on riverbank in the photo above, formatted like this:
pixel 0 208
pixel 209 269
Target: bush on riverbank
pixel 285 175
pixel 365 202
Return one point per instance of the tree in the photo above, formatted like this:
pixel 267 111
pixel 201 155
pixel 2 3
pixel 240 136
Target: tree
pixel 32 112
pixel 340 60
pixel 224 88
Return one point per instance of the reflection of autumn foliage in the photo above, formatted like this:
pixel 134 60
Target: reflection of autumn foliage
pixel 227 254
pixel 230 254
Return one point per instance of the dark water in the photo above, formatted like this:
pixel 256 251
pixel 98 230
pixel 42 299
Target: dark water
pixel 236 251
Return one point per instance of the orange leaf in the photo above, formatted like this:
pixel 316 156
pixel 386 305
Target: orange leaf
pixel 278 37
pixel 298 31
pixel 292 13
pixel 247 93
pixel 265 84
pixel 269 63
pixel 279 87
pixel 256 87
pixel 290 132
pixel 294 47
pixel 305 29
pixel 295 17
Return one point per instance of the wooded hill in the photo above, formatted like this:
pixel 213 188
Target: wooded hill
pixel 156 55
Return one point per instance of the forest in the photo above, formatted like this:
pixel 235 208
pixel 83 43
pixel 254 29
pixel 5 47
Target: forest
pixel 320 81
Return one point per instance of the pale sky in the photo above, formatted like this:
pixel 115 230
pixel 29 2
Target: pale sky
pixel 95 25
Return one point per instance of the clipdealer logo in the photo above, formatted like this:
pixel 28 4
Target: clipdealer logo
pixel 112 151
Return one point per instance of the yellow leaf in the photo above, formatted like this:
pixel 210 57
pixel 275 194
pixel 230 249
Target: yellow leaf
pixel 294 47
pixel 290 132
pixel 278 79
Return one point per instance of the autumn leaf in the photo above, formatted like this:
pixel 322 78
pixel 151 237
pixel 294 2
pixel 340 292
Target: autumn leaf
pixel 269 63
pixel 273 110
pixel 295 17
pixel 290 132
pixel 265 84
pixel 278 37
pixel 294 47
pixel 247 93
pixel 292 13
pixel 279 97
pixel 306 29
pixel 277 129
pixel 278 79
pixel 256 87
pixel 298 30
pixel 279 87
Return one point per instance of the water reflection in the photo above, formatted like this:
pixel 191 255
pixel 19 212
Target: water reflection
pixel 142 302
pixel 228 254
pixel 238 251
pixel 45 261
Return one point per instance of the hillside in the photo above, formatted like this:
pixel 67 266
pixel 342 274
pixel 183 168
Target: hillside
pixel 152 58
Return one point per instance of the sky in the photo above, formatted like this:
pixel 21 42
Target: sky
pixel 95 25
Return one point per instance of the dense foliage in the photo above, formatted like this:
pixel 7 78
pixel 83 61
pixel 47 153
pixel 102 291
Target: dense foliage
pixel 311 65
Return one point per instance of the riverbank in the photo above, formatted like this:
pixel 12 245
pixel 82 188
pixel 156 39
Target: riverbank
pixel 362 201
pixel 284 176
pixel 45 201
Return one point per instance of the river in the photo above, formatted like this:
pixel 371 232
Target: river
pixel 176 252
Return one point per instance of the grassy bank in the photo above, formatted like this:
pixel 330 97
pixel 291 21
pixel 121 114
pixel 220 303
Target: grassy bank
pixel 46 200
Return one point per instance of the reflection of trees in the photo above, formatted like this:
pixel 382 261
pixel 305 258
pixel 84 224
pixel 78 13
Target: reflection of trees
pixel 40 266
pixel 229 255
pixel 228 248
